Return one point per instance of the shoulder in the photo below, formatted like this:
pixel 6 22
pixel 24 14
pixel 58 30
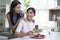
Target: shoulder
pixel 21 10
pixel 8 15
pixel 22 13
pixel 21 20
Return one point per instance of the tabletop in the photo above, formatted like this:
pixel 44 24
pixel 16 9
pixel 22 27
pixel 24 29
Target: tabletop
pixel 52 36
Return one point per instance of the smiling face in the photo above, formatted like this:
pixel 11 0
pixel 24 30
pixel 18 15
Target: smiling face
pixel 30 14
pixel 17 8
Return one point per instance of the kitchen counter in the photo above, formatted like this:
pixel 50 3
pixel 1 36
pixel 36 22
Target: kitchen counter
pixel 52 36
pixel 3 38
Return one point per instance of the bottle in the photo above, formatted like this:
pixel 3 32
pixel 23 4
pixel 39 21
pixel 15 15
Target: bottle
pixel 54 17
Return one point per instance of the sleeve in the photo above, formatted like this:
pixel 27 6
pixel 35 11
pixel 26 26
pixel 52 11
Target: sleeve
pixel 19 27
pixel 21 13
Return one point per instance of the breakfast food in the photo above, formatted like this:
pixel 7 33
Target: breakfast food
pixel 39 36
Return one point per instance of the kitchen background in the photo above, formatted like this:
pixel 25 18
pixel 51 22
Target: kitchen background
pixel 47 13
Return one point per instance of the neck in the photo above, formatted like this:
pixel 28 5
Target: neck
pixel 29 20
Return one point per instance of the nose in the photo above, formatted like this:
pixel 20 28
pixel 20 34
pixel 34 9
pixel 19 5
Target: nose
pixel 28 13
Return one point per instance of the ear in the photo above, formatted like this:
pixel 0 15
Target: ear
pixel 34 14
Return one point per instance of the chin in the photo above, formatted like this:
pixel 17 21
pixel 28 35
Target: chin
pixel 29 19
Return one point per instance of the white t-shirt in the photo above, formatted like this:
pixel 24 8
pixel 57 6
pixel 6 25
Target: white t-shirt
pixel 25 26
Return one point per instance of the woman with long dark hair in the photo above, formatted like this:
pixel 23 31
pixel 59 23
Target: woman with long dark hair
pixel 14 15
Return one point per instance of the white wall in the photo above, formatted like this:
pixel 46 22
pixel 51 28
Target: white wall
pixel 42 11
pixel 7 10
pixel 22 4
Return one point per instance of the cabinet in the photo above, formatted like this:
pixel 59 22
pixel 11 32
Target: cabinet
pixel 55 12
pixel 2 16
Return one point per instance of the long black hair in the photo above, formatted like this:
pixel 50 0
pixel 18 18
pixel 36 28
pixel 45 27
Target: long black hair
pixel 13 5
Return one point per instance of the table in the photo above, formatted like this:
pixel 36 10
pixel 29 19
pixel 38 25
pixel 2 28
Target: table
pixel 52 36
pixel 3 38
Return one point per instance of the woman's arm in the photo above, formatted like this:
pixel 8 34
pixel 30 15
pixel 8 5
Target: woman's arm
pixel 13 27
pixel 19 35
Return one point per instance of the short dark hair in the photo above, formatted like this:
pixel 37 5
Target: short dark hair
pixel 31 8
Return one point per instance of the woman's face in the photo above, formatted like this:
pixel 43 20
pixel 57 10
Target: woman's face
pixel 17 8
pixel 30 14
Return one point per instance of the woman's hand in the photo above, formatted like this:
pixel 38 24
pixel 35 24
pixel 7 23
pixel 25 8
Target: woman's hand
pixel 23 19
pixel 30 33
